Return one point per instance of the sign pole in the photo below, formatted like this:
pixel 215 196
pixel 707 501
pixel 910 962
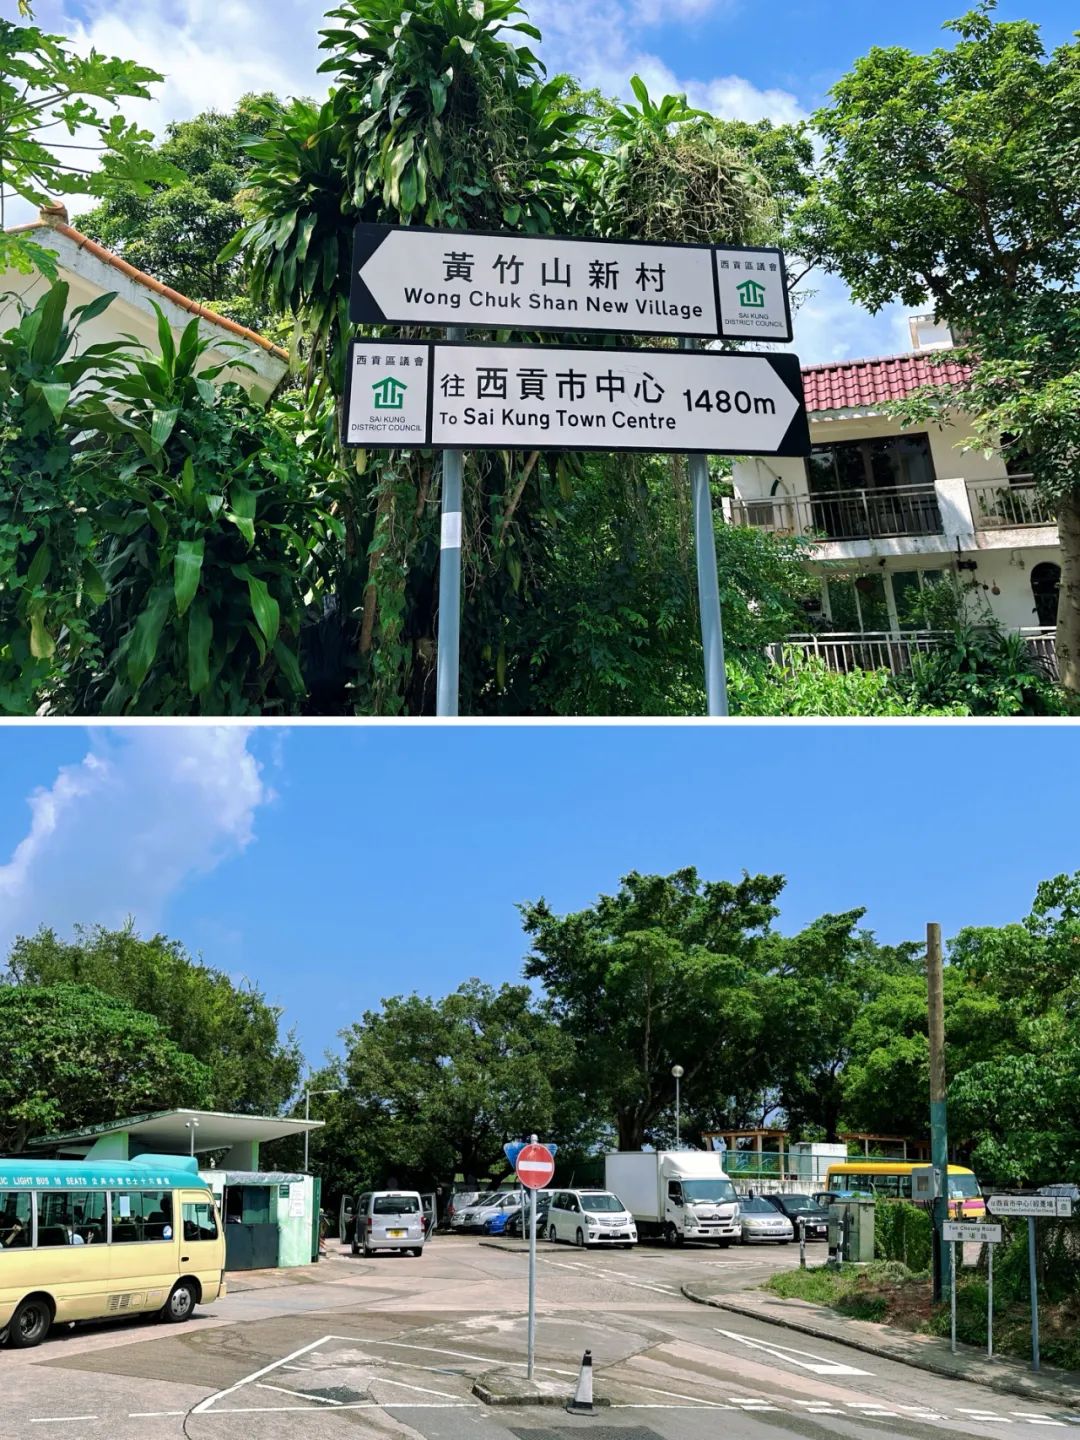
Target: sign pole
pixel 939 1144
pixel 952 1296
pixel 449 647
pixel 712 627
pixel 1034 1294
pixel 532 1282
pixel 990 1305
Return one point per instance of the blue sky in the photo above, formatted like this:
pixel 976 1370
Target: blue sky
pixel 338 865
pixel 739 58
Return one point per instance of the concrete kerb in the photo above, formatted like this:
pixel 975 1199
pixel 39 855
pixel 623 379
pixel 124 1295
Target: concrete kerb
pixel 511 1387
pixel 1044 1387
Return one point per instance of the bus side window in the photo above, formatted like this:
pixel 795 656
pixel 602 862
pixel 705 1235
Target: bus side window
pixel 56 1219
pixel 14 1220
pixel 199 1221
pixel 905 1187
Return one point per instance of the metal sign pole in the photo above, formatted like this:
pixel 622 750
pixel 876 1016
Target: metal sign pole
pixel 1034 1294
pixel 952 1287
pixel 449 648
pixel 532 1281
pixel 712 627
pixel 990 1306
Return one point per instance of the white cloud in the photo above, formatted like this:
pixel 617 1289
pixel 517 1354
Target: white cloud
pixel 120 833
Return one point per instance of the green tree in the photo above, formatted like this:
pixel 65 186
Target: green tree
pixel 1020 1102
pixel 231 1029
pixel 953 176
pixel 46 88
pixel 177 231
pixel 73 1057
pixel 438 1086
pixel 667 971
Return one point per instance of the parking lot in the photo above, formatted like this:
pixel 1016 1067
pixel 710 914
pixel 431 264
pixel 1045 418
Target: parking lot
pixel 391 1346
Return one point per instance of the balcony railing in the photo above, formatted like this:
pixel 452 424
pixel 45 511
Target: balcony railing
pixel 883 650
pixel 1009 503
pixel 879 514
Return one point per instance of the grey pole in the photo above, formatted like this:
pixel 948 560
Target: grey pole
pixel 448 664
pixel 1034 1294
pixel 532 1279
pixel 802 1243
pixel 939 1142
pixel 678 1072
pixel 990 1306
pixel 712 627
pixel 307 1133
pixel 952 1277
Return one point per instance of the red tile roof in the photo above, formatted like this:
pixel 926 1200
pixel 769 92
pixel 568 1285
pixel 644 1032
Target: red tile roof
pixel 863 384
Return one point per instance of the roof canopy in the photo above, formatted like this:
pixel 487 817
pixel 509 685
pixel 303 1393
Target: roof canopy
pixel 169 1132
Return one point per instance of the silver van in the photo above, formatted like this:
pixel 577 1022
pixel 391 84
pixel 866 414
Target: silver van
pixel 388 1220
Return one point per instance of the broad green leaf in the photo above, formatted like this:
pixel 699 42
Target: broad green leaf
pixel 39 567
pixel 42 643
pixel 290 667
pixel 94 586
pixel 264 607
pixel 93 309
pixel 187 480
pixel 56 396
pixel 50 325
pixel 164 423
pixel 147 634
pixel 187 568
pixel 200 636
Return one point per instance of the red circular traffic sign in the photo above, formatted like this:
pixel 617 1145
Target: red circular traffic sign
pixel 535 1165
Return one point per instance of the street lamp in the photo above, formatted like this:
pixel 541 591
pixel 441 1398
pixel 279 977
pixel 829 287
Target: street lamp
pixel 307 1116
pixel 678 1072
pixel 192 1126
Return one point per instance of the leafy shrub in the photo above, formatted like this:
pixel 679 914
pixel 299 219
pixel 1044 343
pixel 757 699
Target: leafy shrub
pixel 988 671
pixel 804 685
pixel 903 1233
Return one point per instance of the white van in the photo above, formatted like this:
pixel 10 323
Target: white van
pixel 590 1217
pixel 389 1220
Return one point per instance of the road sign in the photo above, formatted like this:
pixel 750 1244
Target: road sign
pixel 408 275
pixel 535 1166
pixel 984 1234
pixel 543 397
pixel 1038 1205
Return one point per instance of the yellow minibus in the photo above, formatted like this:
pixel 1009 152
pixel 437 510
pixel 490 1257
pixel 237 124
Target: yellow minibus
pixel 90 1239
pixel 891 1179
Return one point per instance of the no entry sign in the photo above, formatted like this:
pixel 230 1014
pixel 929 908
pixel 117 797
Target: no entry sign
pixel 535 1166
pixel 407 275
pixel 464 396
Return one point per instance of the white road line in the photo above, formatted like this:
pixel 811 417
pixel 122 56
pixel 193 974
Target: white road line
pixel 359 1405
pixel 675 1395
pixel 297 1394
pixel 385 1380
pixel 203 1406
pixel 817 1363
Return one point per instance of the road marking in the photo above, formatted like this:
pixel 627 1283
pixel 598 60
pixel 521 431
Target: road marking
pixel 153 1414
pixel 816 1363
pixel 385 1380
pixel 59 1419
pixel 203 1406
pixel 297 1394
pixel 676 1395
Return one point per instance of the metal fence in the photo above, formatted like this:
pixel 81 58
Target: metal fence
pixel 846 652
pixel 881 513
pixel 1012 502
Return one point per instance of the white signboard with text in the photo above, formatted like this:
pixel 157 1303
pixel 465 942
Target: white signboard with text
pixel 407 275
pixel 547 397
pixel 983 1234
pixel 1048 1206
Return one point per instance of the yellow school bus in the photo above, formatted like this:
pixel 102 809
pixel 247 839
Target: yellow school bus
pixel 891 1179
pixel 90 1239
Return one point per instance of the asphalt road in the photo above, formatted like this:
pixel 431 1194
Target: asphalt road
pixel 390 1347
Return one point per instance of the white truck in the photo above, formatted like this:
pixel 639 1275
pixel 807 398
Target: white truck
pixel 676 1195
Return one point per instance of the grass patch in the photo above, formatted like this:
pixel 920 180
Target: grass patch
pixel 889 1293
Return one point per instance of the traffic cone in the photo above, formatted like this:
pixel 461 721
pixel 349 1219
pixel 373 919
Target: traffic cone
pixel 582 1403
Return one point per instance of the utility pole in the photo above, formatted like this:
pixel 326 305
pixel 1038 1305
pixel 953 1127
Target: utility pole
pixel 939 1135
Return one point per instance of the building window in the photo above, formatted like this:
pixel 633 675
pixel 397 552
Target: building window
pixel 1045 587
pixel 862 489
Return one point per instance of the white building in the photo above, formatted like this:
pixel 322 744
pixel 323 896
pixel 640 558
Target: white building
pixel 90 271
pixel 890 509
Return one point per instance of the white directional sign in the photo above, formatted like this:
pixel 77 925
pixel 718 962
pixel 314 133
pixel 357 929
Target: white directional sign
pixel 412 276
pixel 543 397
pixel 1045 1205
pixel 983 1234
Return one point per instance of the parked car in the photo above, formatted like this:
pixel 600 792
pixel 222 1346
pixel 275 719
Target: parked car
pixel 519 1219
pixel 496 1224
pixel 763 1222
pixel 461 1201
pixel 475 1217
pixel 802 1209
pixel 388 1220
pixel 590 1217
